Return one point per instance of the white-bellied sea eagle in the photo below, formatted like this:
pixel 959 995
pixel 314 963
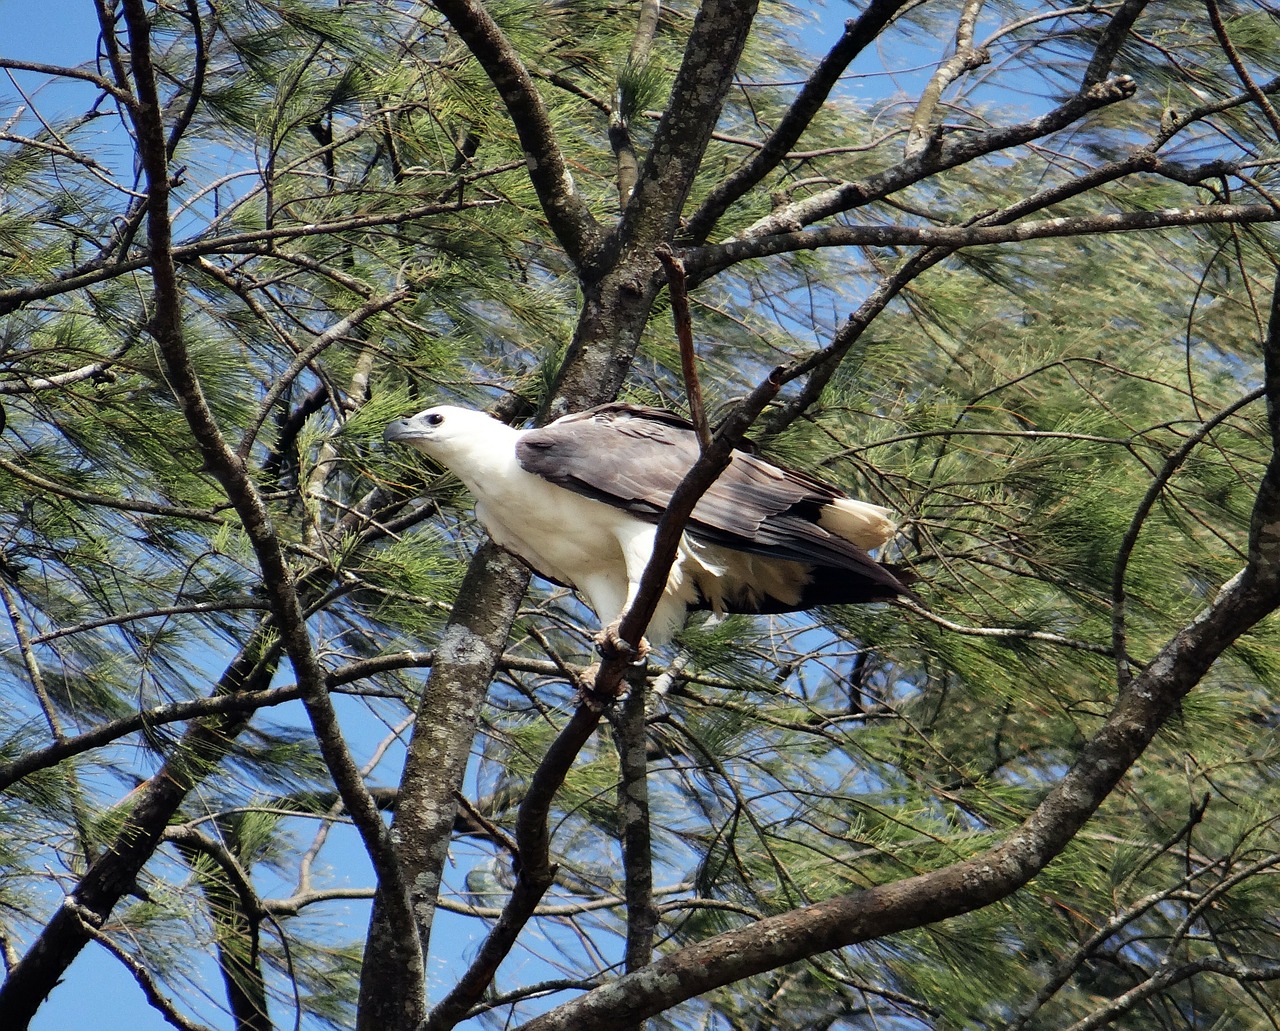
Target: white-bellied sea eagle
pixel 579 501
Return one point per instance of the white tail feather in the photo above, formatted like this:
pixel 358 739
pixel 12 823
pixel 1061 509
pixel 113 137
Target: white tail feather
pixel 859 522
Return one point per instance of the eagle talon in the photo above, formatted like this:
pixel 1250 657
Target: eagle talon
pixel 587 694
pixel 611 645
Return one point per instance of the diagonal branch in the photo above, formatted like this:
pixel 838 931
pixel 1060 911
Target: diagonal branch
pixel 858 33
pixel 949 154
pixel 535 875
pixel 570 218
pixel 1112 38
pixel 677 289
pixel 966 58
pixel 1242 73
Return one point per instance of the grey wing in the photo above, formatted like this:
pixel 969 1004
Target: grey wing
pixel 617 454
pixel 634 458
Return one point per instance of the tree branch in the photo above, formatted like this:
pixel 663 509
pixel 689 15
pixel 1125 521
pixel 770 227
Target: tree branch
pixel 949 154
pixel 230 470
pixel 570 218
pixel 637 847
pixel 921 135
pixel 439 750
pixel 535 874
pixel 713 257
pixel 858 34
pixel 680 140
pixel 157 716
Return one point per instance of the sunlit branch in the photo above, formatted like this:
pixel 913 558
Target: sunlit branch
pixel 921 135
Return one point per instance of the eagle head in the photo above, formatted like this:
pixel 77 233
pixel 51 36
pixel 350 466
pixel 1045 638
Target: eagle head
pixel 460 438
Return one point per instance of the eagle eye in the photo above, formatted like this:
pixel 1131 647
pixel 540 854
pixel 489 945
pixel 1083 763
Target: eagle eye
pixel 435 419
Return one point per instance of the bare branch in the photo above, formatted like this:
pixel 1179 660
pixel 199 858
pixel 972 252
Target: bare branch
pixel 534 876
pixel 676 287
pixel 157 716
pixel 1002 632
pixel 716 256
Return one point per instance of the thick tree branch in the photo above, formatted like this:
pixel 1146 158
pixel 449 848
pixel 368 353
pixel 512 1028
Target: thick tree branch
pixel 711 54
pixel 439 750
pixel 637 847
